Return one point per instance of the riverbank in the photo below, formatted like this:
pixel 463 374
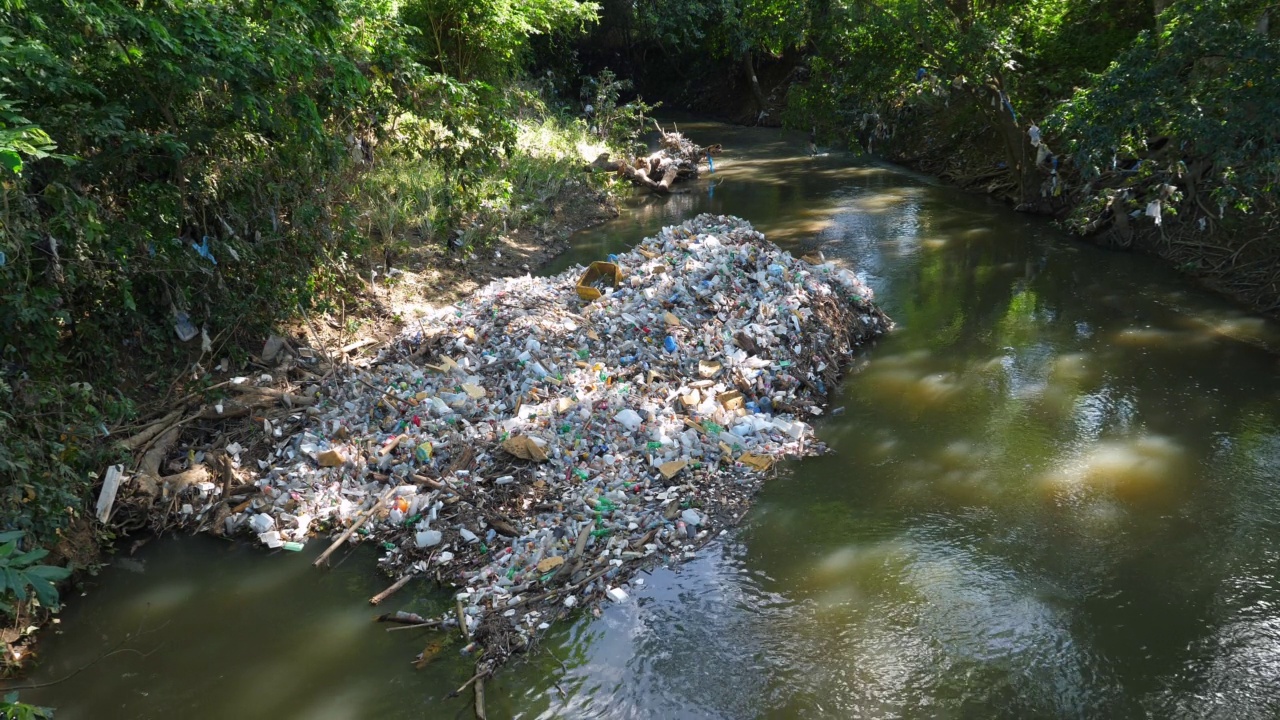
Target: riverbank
pixel 696 422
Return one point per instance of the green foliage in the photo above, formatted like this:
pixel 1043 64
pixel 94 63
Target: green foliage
pixel 873 54
pixel 49 446
pixel 618 125
pixel 21 577
pixel 19 138
pixel 11 709
pixel 1191 106
pixel 467 39
pixel 724 29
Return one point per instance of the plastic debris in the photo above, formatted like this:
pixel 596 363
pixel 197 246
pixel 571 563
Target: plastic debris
pixel 202 249
pixel 1153 211
pixel 538 450
pixel 183 326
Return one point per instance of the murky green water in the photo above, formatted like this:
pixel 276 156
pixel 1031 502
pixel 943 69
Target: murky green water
pixel 1057 495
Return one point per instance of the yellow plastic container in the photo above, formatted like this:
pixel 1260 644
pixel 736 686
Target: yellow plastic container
pixel 596 276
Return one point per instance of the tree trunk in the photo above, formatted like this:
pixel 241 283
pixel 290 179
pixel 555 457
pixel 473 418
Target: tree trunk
pixel 1159 6
pixel 749 67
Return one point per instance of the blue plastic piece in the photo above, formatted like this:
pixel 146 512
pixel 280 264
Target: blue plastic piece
pixel 669 344
pixel 203 250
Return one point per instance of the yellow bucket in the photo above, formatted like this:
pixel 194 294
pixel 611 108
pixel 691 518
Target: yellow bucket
pixel 598 274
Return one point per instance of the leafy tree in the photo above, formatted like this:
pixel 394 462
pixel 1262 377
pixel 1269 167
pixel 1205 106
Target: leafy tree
pixel 735 31
pixel 1184 118
pixel 219 148
pixel 467 39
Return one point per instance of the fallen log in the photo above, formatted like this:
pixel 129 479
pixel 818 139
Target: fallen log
pixel 676 160
pixel 155 428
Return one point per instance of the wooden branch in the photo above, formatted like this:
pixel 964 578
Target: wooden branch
pixel 462 621
pixel 185 479
pixel 324 556
pixel 480 714
pixel 480 672
pixel 155 428
pixel 394 587
pixel 151 461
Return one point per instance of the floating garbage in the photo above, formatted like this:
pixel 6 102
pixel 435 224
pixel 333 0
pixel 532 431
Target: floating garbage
pixel 536 450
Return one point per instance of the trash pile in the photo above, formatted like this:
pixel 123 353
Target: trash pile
pixel 536 450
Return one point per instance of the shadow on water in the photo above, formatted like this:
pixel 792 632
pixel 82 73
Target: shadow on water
pixel 1053 494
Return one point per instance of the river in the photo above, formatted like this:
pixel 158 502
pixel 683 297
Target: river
pixel 1055 494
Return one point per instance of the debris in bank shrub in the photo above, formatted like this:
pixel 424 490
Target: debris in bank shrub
pixel 536 451
pixel 676 160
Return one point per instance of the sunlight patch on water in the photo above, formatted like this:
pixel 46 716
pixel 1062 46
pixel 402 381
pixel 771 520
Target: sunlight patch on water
pixel 1155 338
pixel 1140 468
pixel 884 201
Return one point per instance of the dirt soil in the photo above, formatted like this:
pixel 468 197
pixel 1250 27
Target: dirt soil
pixel 429 274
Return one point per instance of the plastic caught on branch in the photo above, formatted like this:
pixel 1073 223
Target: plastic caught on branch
pixel 1005 99
pixel 202 249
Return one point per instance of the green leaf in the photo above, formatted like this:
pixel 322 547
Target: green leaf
pixel 28 558
pixel 45 591
pixel 17 583
pixel 50 572
pixel 7 549
pixel 11 160
pixel 11 535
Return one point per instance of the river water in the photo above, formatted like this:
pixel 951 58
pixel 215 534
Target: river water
pixel 1056 494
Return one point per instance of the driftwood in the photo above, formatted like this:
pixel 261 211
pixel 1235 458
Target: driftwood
pixel 675 161
pixel 177 483
pixel 324 556
pixel 394 587
pixel 155 428
pixel 155 456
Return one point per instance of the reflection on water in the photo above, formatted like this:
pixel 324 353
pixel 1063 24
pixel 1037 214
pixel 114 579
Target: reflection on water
pixel 1054 495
